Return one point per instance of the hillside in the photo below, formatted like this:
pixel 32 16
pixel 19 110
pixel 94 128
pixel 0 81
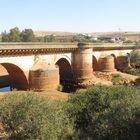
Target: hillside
pixel 58 33
pixel 128 35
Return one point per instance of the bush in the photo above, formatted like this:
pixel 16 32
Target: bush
pixel 106 113
pixel 100 113
pixel 135 58
pixel 27 116
pixel 117 78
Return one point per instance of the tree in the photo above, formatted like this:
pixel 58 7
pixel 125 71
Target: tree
pixel 27 35
pixel 49 38
pixel 14 35
pixel 4 37
pixel 106 113
pixel 135 58
pixel 32 117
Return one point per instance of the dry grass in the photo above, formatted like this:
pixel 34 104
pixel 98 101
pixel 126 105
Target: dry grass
pixel 52 94
pixel 2 94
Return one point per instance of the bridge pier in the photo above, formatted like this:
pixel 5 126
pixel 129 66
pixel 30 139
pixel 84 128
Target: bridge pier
pixel 43 77
pixel 82 63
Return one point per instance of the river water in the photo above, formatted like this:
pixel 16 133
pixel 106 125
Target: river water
pixel 5 89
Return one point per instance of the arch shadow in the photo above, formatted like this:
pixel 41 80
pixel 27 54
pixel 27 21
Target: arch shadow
pixel 115 60
pixel 66 74
pixel 95 64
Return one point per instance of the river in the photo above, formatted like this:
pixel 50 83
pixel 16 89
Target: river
pixel 5 89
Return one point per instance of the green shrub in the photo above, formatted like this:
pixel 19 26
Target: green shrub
pixel 26 116
pixel 106 113
pixel 100 113
pixel 135 58
pixel 116 78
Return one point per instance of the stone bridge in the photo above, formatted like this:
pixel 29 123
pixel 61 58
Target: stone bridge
pixel 41 66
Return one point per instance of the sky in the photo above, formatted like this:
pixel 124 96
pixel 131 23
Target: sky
pixel 71 15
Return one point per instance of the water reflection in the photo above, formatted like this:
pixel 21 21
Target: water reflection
pixel 5 89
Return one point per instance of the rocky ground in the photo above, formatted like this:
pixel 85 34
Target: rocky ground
pixel 108 76
pixel 105 78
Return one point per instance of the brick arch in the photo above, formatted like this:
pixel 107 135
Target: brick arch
pixel 63 57
pixel 16 78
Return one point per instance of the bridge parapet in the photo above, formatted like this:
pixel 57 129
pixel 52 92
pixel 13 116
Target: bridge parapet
pixel 14 49
pixel 35 48
pixel 107 46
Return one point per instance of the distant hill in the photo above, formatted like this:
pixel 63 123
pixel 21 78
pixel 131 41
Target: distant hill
pixel 128 35
pixel 58 33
